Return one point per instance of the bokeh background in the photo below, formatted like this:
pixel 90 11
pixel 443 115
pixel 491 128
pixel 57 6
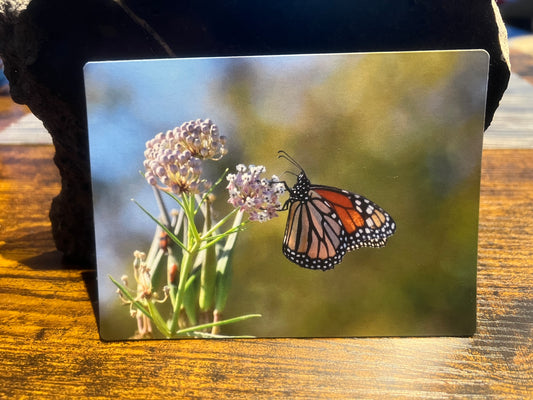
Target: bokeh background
pixel 403 129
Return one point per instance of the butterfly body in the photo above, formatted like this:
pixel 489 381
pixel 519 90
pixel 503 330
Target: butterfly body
pixel 325 222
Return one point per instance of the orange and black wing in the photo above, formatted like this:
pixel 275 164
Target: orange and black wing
pixel 330 222
pixel 365 223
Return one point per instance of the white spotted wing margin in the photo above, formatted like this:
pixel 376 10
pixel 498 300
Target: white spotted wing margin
pixel 327 222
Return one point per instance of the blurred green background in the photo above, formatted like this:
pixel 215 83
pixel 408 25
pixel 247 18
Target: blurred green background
pixel 403 129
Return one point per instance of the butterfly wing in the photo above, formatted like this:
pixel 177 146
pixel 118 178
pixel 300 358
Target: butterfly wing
pixel 365 223
pixel 314 236
pixel 330 222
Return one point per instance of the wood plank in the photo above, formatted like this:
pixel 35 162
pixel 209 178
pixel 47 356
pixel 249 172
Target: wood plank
pixel 28 129
pixel 512 125
pixel 521 55
pixel 50 345
pixel 10 111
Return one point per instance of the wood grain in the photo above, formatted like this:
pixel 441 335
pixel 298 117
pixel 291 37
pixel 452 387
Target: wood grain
pixel 50 345
pixel 10 111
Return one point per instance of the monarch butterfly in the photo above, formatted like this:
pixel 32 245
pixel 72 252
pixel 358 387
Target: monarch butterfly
pixel 325 222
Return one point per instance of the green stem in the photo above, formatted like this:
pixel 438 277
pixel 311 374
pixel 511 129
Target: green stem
pixel 158 320
pixel 163 226
pixel 209 265
pixel 223 322
pixel 224 271
pixel 216 238
pixel 186 266
pixel 205 196
pixel 189 209
pixel 220 223
pixel 187 262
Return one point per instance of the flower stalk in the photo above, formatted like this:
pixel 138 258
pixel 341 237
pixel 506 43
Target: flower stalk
pixel 190 247
pixel 209 264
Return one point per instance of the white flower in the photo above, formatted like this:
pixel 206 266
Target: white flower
pixel 257 196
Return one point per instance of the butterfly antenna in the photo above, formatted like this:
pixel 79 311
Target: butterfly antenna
pixel 283 154
pixel 290 172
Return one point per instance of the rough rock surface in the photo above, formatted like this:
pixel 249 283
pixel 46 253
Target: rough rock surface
pixel 45 43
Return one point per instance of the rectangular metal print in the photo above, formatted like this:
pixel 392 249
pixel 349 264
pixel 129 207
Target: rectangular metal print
pixel 321 195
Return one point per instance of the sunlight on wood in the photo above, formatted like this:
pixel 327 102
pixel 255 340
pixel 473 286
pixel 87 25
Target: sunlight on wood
pixel 49 336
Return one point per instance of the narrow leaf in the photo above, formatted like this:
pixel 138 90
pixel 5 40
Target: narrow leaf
pixel 219 323
pixel 168 231
pixel 128 295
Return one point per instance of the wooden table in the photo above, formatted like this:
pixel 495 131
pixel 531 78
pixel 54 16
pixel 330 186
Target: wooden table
pixel 50 346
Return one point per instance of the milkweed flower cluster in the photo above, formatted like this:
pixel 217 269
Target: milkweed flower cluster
pixel 259 197
pixel 175 158
pixel 192 244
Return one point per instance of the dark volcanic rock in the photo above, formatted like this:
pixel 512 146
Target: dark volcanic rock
pixel 45 46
